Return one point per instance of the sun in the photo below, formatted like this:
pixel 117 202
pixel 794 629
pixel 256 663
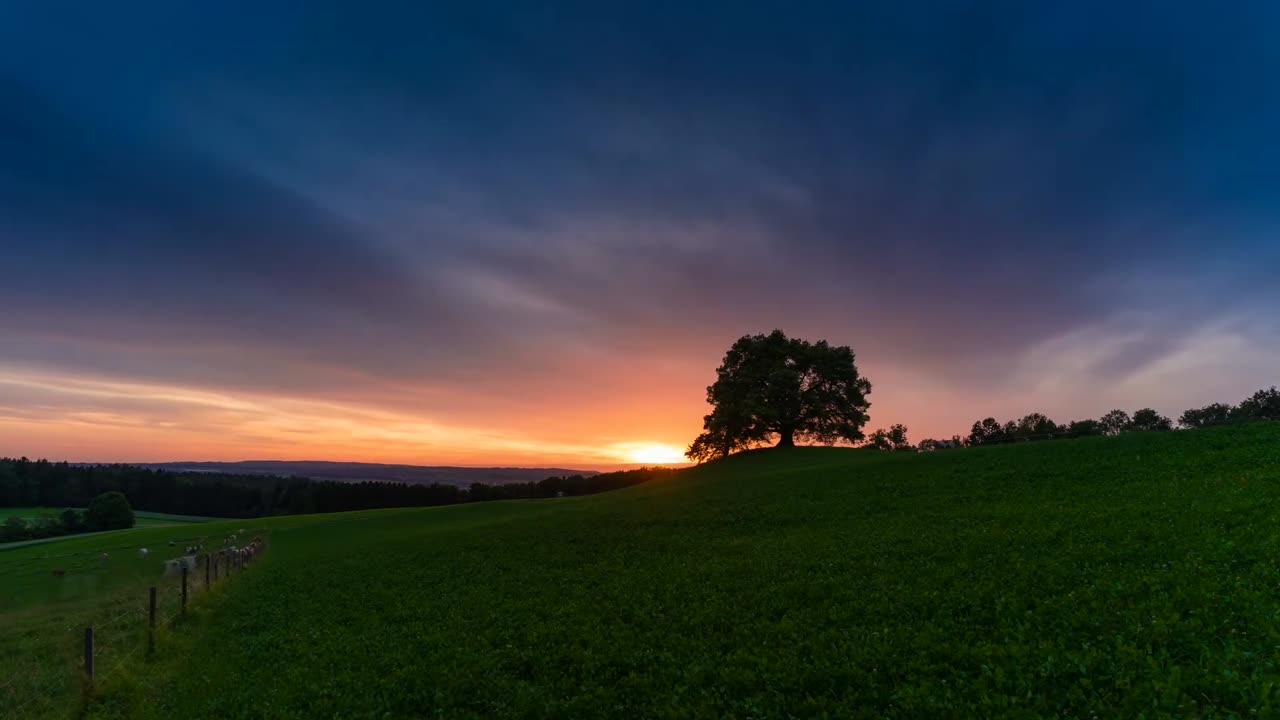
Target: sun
pixel 655 454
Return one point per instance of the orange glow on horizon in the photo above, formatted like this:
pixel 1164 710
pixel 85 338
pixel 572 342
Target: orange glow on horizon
pixel 83 419
pixel 656 454
pixel 630 417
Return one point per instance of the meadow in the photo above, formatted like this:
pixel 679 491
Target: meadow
pixel 142 517
pixel 1136 576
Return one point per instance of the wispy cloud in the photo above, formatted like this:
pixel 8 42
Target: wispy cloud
pixel 281 426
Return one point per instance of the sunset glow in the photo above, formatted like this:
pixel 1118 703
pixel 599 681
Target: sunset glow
pixel 88 418
pixel 447 247
pixel 657 454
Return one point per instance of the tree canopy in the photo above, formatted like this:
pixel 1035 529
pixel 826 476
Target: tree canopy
pixel 1212 414
pixel 986 432
pixel 1083 428
pixel 109 511
pixel 774 388
pixel 1262 405
pixel 1115 422
pixel 895 438
pixel 1148 420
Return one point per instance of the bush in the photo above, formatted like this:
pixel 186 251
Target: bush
pixel 109 511
pixel 13 529
pixel 72 521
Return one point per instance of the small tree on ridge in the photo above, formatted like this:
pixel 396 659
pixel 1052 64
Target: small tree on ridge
pixel 1115 422
pixel 1214 414
pixel 1262 405
pixel 1148 420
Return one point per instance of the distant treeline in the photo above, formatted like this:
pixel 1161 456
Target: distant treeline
pixel 108 511
pixel 1262 405
pixel 42 483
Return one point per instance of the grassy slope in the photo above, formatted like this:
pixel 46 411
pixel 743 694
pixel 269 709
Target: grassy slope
pixel 42 615
pixel 142 519
pixel 28 513
pixel 1109 576
pixel 158 518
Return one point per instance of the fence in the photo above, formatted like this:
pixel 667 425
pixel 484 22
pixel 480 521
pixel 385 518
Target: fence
pixel 96 646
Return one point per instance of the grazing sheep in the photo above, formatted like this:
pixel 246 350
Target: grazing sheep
pixel 104 557
pixel 142 552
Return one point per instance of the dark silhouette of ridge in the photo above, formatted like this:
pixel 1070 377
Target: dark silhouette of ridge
pixel 377 472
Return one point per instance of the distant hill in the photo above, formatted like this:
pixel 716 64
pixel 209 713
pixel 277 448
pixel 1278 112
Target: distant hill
pixel 358 472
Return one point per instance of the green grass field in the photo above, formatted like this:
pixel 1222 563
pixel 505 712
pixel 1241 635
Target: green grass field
pixel 143 518
pixel 1115 577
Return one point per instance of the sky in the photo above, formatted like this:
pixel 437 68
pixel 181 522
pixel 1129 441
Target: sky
pixel 525 233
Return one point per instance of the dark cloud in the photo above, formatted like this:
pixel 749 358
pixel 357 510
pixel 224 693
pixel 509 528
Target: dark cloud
pixel 112 235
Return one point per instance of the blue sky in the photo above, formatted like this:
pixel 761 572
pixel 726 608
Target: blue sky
pixel 527 232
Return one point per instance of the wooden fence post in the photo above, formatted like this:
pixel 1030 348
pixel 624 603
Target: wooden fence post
pixel 184 588
pixel 207 558
pixel 151 621
pixel 88 658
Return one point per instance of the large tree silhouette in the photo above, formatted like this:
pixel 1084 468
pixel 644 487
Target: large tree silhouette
pixel 771 387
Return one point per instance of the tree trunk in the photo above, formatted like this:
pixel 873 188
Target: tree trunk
pixel 786 438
